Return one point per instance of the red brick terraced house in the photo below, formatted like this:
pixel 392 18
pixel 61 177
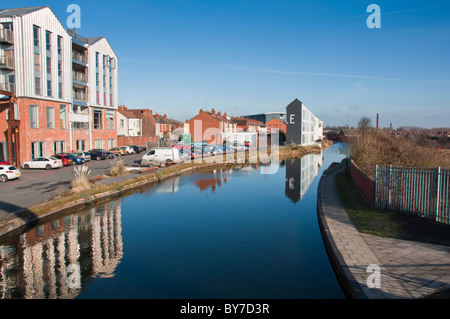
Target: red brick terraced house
pixel 211 126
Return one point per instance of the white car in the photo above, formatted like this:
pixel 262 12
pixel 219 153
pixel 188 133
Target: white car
pixel 8 172
pixel 127 149
pixel 46 162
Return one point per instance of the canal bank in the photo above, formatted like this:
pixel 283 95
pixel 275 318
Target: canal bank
pixel 374 267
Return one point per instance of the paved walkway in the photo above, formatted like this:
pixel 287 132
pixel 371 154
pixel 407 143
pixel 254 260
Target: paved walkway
pixel 407 269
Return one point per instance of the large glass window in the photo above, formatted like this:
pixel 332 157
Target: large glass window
pixel 110 120
pixel 36 36
pixel 98 144
pixel 50 111
pixel 98 119
pixel 63 116
pixel 34 119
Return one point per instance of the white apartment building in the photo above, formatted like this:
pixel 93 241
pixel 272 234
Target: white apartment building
pixel 66 86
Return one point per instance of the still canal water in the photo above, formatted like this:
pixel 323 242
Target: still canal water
pixel 226 234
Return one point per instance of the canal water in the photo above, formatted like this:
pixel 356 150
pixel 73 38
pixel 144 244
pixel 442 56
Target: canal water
pixel 249 232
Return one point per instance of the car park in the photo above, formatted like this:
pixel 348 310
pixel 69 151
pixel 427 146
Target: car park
pixel 212 150
pixel 87 156
pixel 66 159
pixel 98 155
pixel 43 162
pixel 185 153
pixel 8 172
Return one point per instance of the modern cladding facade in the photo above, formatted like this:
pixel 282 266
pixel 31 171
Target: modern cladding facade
pixel 302 126
pixel 40 78
pixel 48 70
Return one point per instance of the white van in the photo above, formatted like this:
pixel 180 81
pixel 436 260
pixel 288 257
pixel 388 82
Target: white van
pixel 160 156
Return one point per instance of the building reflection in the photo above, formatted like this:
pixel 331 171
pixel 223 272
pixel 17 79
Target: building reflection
pixel 300 173
pixel 36 264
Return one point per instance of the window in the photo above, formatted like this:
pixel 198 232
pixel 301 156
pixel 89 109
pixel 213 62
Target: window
pixel 60 90
pixel 36 35
pixel 98 144
pixel 37 85
pixel 34 120
pixel 49 87
pixel 63 116
pixel 98 119
pixel 80 145
pixel 37 149
pixel 50 117
pixel 111 143
pixel 60 44
pixel 110 119
pixel 122 123
pixel 59 147
pixel 48 40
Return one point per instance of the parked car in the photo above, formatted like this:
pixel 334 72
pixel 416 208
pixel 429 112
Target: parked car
pixel 127 149
pixel 98 154
pixel 3 162
pixel 137 149
pixel 66 159
pixel 199 143
pixel 160 156
pixel 85 155
pixel 212 150
pixel 47 162
pixel 186 153
pixel 76 160
pixel 110 154
pixel 117 151
pixel 246 144
pixel 8 172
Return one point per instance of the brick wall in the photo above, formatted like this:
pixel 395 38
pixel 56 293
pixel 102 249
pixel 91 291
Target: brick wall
pixel 209 125
pixel 364 183
pixel 134 140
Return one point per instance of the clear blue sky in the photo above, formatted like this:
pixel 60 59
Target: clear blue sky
pixel 251 56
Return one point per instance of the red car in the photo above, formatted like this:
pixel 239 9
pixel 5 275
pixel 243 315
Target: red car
pixel 66 160
pixel 3 162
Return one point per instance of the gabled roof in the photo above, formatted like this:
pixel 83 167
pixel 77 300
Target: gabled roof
pixel 94 39
pixel 17 12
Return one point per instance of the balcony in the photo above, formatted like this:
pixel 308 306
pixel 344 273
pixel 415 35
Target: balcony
pixel 79 58
pixel 6 36
pixel 79 98
pixel 6 62
pixel 79 79
pixel 7 86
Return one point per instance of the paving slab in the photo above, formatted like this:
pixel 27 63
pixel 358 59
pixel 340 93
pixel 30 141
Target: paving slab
pixel 407 269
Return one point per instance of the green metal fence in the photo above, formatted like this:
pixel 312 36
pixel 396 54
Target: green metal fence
pixel 423 192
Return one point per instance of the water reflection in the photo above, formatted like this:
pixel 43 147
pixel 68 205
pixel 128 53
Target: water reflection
pixel 50 260
pixel 300 173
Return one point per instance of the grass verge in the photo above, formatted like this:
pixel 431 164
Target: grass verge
pixel 388 224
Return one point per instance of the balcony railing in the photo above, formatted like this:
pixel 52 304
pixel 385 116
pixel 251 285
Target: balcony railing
pixel 7 86
pixel 79 57
pixel 6 62
pixel 78 76
pixel 80 96
pixel 6 36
